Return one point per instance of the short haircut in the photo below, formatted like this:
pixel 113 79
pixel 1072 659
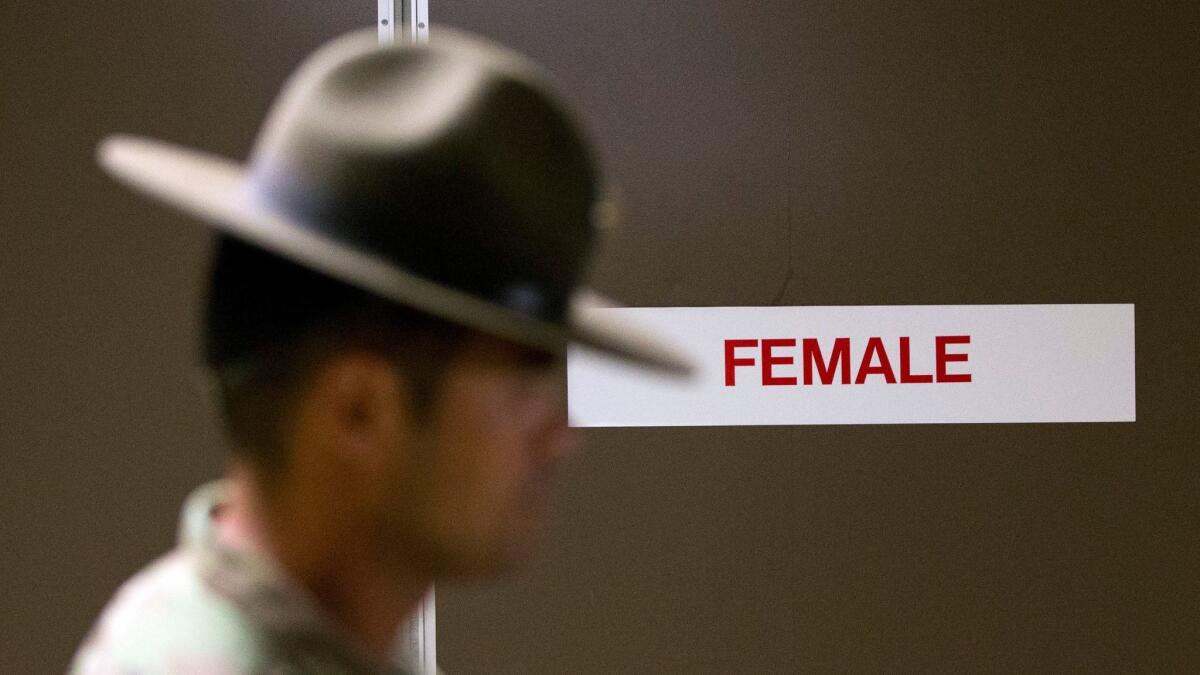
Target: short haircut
pixel 269 324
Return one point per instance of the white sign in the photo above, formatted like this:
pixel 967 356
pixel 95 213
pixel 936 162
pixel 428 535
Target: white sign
pixel 912 364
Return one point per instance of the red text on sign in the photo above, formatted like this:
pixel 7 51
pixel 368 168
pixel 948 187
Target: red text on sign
pixel 775 359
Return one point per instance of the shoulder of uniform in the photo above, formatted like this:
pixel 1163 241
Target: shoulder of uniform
pixel 164 619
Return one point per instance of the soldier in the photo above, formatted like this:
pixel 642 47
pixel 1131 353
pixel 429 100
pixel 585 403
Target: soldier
pixel 397 275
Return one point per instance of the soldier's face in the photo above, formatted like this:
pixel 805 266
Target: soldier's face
pixel 472 481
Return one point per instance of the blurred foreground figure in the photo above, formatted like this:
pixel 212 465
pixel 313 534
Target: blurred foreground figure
pixel 395 283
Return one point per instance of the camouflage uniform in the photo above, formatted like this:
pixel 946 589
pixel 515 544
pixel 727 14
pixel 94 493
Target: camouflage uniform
pixel 205 608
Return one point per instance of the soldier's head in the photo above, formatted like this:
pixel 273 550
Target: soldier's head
pixel 442 439
pixel 399 274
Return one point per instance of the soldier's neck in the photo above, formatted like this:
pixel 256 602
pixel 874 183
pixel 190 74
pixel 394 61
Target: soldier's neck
pixel 330 560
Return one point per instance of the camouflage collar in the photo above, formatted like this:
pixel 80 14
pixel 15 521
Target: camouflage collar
pixel 262 589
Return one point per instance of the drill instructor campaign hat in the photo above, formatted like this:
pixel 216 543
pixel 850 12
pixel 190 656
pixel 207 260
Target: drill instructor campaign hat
pixel 446 177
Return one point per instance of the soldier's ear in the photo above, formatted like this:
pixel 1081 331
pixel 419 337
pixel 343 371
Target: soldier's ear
pixel 357 410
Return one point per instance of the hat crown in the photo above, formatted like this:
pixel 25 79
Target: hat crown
pixel 452 161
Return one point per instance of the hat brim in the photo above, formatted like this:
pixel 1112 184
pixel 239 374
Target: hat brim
pixel 215 190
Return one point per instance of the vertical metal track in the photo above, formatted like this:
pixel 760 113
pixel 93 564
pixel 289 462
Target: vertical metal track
pixel 416 21
pixel 386 22
pixel 418 639
pixel 408 19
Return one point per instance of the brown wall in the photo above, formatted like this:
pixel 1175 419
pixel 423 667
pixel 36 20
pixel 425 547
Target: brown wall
pixel 926 153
